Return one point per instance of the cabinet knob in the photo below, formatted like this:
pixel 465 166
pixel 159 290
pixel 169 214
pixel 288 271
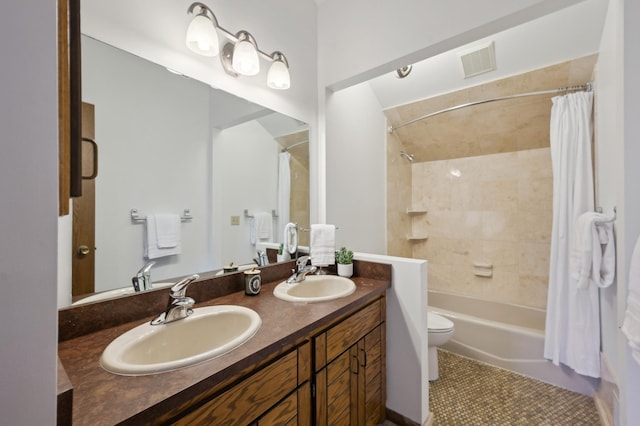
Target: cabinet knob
pixel 83 250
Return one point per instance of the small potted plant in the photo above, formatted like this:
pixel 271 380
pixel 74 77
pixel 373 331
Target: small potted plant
pixel 283 255
pixel 344 258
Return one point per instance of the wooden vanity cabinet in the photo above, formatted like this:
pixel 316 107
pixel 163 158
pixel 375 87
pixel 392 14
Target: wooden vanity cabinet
pixel 349 377
pixel 278 394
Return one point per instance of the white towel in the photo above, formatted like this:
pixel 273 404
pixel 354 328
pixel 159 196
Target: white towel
pixel 631 324
pixel 151 248
pixel 262 222
pixel 323 245
pixel 593 251
pixel 167 230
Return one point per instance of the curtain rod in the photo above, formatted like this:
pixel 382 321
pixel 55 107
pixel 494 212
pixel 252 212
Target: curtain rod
pixel 294 145
pixel 588 87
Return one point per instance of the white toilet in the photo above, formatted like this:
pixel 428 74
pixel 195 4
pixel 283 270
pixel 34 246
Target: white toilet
pixel 440 331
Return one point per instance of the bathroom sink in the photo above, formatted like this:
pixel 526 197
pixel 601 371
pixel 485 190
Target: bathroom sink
pixel 115 293
pixel 315 288
pixel 207 333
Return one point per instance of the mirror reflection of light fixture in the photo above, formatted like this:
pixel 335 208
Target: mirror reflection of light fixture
pixel 278 77
pixel 202 37
pixel 245 59
pixel 241 55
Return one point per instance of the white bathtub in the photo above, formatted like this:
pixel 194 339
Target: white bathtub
pixel 504 335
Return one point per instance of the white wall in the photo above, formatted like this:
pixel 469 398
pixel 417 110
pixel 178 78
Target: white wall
pixel 359 39
pixel 356 177
pixel 407 350
pixel 618 132
pixel 152 129
pixel 609 154
pixel 28 213
pixel 631 202
pixel 245 161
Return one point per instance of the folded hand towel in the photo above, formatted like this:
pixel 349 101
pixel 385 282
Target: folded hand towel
pixel 262 221
pixel 167 230
pixel 631 324
pixel 151 248
pixel 592 258
pixel 323 245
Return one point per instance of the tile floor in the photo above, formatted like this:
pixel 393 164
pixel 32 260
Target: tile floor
pixel 470 393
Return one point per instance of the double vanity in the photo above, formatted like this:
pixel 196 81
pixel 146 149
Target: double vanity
pixel 265 359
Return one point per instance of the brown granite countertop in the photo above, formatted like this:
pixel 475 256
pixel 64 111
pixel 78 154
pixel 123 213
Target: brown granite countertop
pixel 102 398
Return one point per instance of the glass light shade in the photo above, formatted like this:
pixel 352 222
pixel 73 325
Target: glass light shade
pixel 278 77
pixel 202 37
pixel 245 58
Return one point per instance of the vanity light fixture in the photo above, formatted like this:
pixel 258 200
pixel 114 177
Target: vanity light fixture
pixel 278 77
pixel 241 55
pixel 245 59
pixel 202 37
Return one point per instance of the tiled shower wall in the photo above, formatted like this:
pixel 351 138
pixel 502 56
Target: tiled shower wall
pixel 492 209
pixel 483 175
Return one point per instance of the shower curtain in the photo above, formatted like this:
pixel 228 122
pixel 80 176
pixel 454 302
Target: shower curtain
pixel 284 192
pixel 572 333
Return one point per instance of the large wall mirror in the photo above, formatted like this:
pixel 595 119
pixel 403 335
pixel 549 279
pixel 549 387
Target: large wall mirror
pixel 167 143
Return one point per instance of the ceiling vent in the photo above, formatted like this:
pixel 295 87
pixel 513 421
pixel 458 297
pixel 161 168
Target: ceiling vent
pixel 478 60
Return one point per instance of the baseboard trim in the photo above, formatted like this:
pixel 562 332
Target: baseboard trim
pixel 604 412
pixel 430 419
pixel 399 419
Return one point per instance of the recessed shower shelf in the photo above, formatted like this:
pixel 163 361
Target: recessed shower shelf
pixel 414 212
pixel 417 237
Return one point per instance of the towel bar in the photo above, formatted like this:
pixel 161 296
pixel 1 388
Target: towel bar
pixel 250 216
pixel 307 229
pixel 135 215
pixel 615 215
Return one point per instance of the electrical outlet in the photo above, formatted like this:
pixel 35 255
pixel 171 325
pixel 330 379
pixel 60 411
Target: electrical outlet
pixel 235 220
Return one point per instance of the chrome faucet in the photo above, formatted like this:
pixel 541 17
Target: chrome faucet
pixel 179 305
pixel 142 280
pixel 303 269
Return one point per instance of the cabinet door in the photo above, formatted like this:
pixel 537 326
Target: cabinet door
pixel 293 410
pixel 336 391
pixel 350 390
pixel 373 380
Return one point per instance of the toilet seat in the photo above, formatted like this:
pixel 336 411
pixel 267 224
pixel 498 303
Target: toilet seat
pixel 438 324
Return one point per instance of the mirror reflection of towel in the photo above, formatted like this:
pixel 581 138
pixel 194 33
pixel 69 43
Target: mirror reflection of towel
pixel 166 234
pixel 262 223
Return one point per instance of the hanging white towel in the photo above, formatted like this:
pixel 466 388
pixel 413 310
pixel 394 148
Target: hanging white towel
pixel 167 230
pixel 631 324
pixel 593 251
pixel 262 225
pixel 323 245
pixel 151 248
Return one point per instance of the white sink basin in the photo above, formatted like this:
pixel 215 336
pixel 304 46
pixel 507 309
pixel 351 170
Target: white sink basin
pixel 115 293
pixel 207 333
pixel 315 288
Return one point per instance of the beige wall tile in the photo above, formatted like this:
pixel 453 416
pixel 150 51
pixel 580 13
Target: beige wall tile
pixel 499 226
pixel 496 206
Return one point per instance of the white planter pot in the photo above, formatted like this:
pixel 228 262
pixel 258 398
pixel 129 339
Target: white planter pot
pixel 345 270
pixel 284 257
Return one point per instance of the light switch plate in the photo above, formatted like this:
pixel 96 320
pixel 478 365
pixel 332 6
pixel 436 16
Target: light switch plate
pixel 235 220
